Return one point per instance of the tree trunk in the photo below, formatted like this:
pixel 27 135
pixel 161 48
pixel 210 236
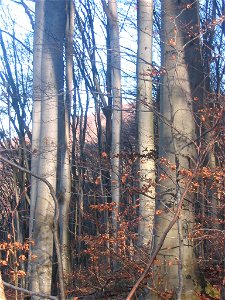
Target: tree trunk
pixel 145 122
pixel 36 113
pixel 181 83
pixel 64 138
pixel 52 84
pixel 117 105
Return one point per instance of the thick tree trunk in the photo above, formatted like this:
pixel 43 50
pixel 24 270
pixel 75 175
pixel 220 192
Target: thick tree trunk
pixel 181 83
pixel 52 84
pixel 145 122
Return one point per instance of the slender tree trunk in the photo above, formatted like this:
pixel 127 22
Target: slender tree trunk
pixel 145 122
pixel 52 84
pixel 108 109
pixel 117 104
pixel 64 138
pixel 181 83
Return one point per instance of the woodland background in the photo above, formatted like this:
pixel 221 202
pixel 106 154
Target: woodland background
pixel 112 149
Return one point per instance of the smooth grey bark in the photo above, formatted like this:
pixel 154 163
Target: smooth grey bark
pixel 182 81
pixel 52 84
pixel 145 122
pixel 36 113
pixel 114 37
pixel 64 139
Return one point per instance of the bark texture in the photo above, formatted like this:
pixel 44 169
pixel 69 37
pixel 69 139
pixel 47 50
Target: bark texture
pixel 145 122
pixel 36 113
pixel 52 84
pixel 177 272
pixel 64 139
pixel 117 103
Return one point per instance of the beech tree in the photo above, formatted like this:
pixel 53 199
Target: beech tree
pixel 50 26
pixel 114 42
pixel 181 87
pixel 145 112
pixel 65 180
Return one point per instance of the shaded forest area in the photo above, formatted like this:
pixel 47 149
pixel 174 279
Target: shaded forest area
pixel 112 149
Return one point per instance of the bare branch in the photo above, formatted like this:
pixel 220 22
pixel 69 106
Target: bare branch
pixel 29 292
pixel 28 11
pixel 19 41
